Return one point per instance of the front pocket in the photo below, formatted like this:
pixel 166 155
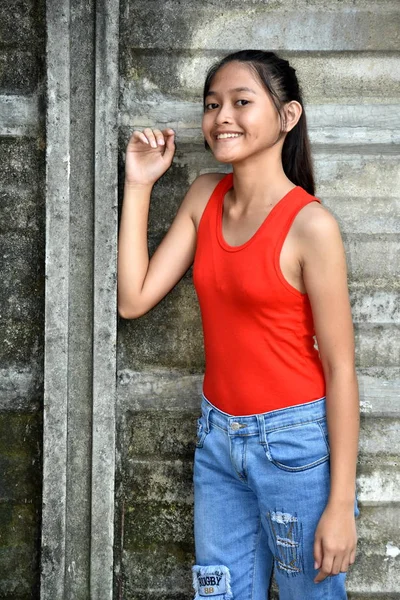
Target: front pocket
pixel 299 447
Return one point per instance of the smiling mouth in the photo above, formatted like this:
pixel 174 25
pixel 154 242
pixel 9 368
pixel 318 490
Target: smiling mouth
pixel 228 136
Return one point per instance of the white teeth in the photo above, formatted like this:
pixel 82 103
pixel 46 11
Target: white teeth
pixel 222 136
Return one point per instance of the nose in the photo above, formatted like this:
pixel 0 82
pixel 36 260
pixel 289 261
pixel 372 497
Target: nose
pixel 223 115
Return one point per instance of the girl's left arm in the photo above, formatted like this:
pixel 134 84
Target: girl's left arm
pixel 325 277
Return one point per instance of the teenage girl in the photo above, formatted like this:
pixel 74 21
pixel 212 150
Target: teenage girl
pixel 275 462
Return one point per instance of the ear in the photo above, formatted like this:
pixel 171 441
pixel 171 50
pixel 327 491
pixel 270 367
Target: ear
pixel 291 115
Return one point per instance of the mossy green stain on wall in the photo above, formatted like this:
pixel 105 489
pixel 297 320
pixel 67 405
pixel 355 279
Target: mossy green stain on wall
pixel 162 434
pixel 160 523
pixel 155 502
pixel 20 500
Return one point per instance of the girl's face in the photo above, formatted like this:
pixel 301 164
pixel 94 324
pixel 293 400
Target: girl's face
pixel 240 119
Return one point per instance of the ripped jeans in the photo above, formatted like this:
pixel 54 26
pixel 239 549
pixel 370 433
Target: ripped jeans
pixel 261 484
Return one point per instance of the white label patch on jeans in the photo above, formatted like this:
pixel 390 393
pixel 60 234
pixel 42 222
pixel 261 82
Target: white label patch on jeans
pixel 211 581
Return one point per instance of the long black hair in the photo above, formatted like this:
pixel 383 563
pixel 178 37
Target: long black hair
pixel 280 80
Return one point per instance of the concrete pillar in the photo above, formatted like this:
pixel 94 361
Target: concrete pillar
pixel 80 328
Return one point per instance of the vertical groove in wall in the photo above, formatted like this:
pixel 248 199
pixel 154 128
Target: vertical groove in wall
pixel 104 325
pixel 80 314
pixel 56 301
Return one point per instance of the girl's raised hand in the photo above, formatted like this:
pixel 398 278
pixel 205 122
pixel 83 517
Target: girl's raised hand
pixel 149 154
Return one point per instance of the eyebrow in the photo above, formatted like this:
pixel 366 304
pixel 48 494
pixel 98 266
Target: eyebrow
pixel 238 89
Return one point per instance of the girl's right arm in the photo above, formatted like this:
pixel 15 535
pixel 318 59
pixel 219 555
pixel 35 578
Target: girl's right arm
pixel 142 283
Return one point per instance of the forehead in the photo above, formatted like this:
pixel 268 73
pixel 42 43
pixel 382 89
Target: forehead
pixel 235 75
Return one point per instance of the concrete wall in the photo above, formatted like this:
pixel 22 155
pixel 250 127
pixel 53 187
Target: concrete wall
pixel 346 55
pixel 22 208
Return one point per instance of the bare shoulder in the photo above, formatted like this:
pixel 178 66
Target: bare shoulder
pixel 316 229
pixel 199 193
pixel 314 222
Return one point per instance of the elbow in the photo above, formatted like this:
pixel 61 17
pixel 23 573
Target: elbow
pixel 129 312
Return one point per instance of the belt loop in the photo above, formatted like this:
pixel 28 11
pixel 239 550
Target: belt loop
pixel 261 429
pixel 207 410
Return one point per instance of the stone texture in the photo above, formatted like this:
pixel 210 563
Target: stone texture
pixel 20 488
pixel 172 574
pixel 18 71
pixel 20 22
pixel 170 335
pixel 179 75
pixel 20 163
pixel 346 55
pixel 22 212
pixel 292 26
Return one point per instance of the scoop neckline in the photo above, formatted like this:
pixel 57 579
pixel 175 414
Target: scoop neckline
pixel 220 235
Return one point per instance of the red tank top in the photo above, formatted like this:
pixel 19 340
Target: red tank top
pixel 258 329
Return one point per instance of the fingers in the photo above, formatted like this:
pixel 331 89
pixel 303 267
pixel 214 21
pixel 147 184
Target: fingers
pixel 333 565
pixel 318 554
pixel 138 135
pixel 154 137
pixel 325 570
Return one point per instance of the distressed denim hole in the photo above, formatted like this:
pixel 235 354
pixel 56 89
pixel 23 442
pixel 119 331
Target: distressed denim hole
pixel 286 532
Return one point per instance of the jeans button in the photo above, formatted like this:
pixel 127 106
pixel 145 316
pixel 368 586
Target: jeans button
pixel 235 426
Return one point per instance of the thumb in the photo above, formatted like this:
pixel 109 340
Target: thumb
pixel 317 553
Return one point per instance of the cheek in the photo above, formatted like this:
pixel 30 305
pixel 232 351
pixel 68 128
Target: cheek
pixel 265 128
pixel 205 124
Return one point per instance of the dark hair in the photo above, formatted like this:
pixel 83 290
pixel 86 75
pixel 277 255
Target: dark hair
pixel 280 80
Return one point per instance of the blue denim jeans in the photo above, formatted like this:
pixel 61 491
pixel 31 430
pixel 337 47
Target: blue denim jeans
pixel 261 484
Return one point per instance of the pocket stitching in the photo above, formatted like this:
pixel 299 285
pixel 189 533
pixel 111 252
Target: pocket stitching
pixel 308 465
pixel 302 468
pixel 326 440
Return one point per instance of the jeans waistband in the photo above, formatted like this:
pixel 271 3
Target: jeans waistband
pixel 264 422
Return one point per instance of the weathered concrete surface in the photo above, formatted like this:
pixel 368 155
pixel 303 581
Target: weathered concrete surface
pixel 79 429
pixel 295 26
pixel 22 294
pixel 18 71
pixel 20 488
pixel 347 57
pixel 104 300
pixel 53 548
pixel 19 115
pixel 365 78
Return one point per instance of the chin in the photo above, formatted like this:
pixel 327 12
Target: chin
pixel 223 159
pixel 226 157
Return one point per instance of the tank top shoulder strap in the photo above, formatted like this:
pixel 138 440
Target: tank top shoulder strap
pixel 289 209
pixel 285 217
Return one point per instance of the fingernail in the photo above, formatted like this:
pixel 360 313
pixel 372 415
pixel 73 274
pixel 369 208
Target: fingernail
pixel 162 142
pixel 315 565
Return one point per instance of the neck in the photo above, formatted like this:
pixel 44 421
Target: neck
pixel 260 181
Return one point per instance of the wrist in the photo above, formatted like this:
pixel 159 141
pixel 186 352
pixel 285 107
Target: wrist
pixel 341 502
pixel 136 186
